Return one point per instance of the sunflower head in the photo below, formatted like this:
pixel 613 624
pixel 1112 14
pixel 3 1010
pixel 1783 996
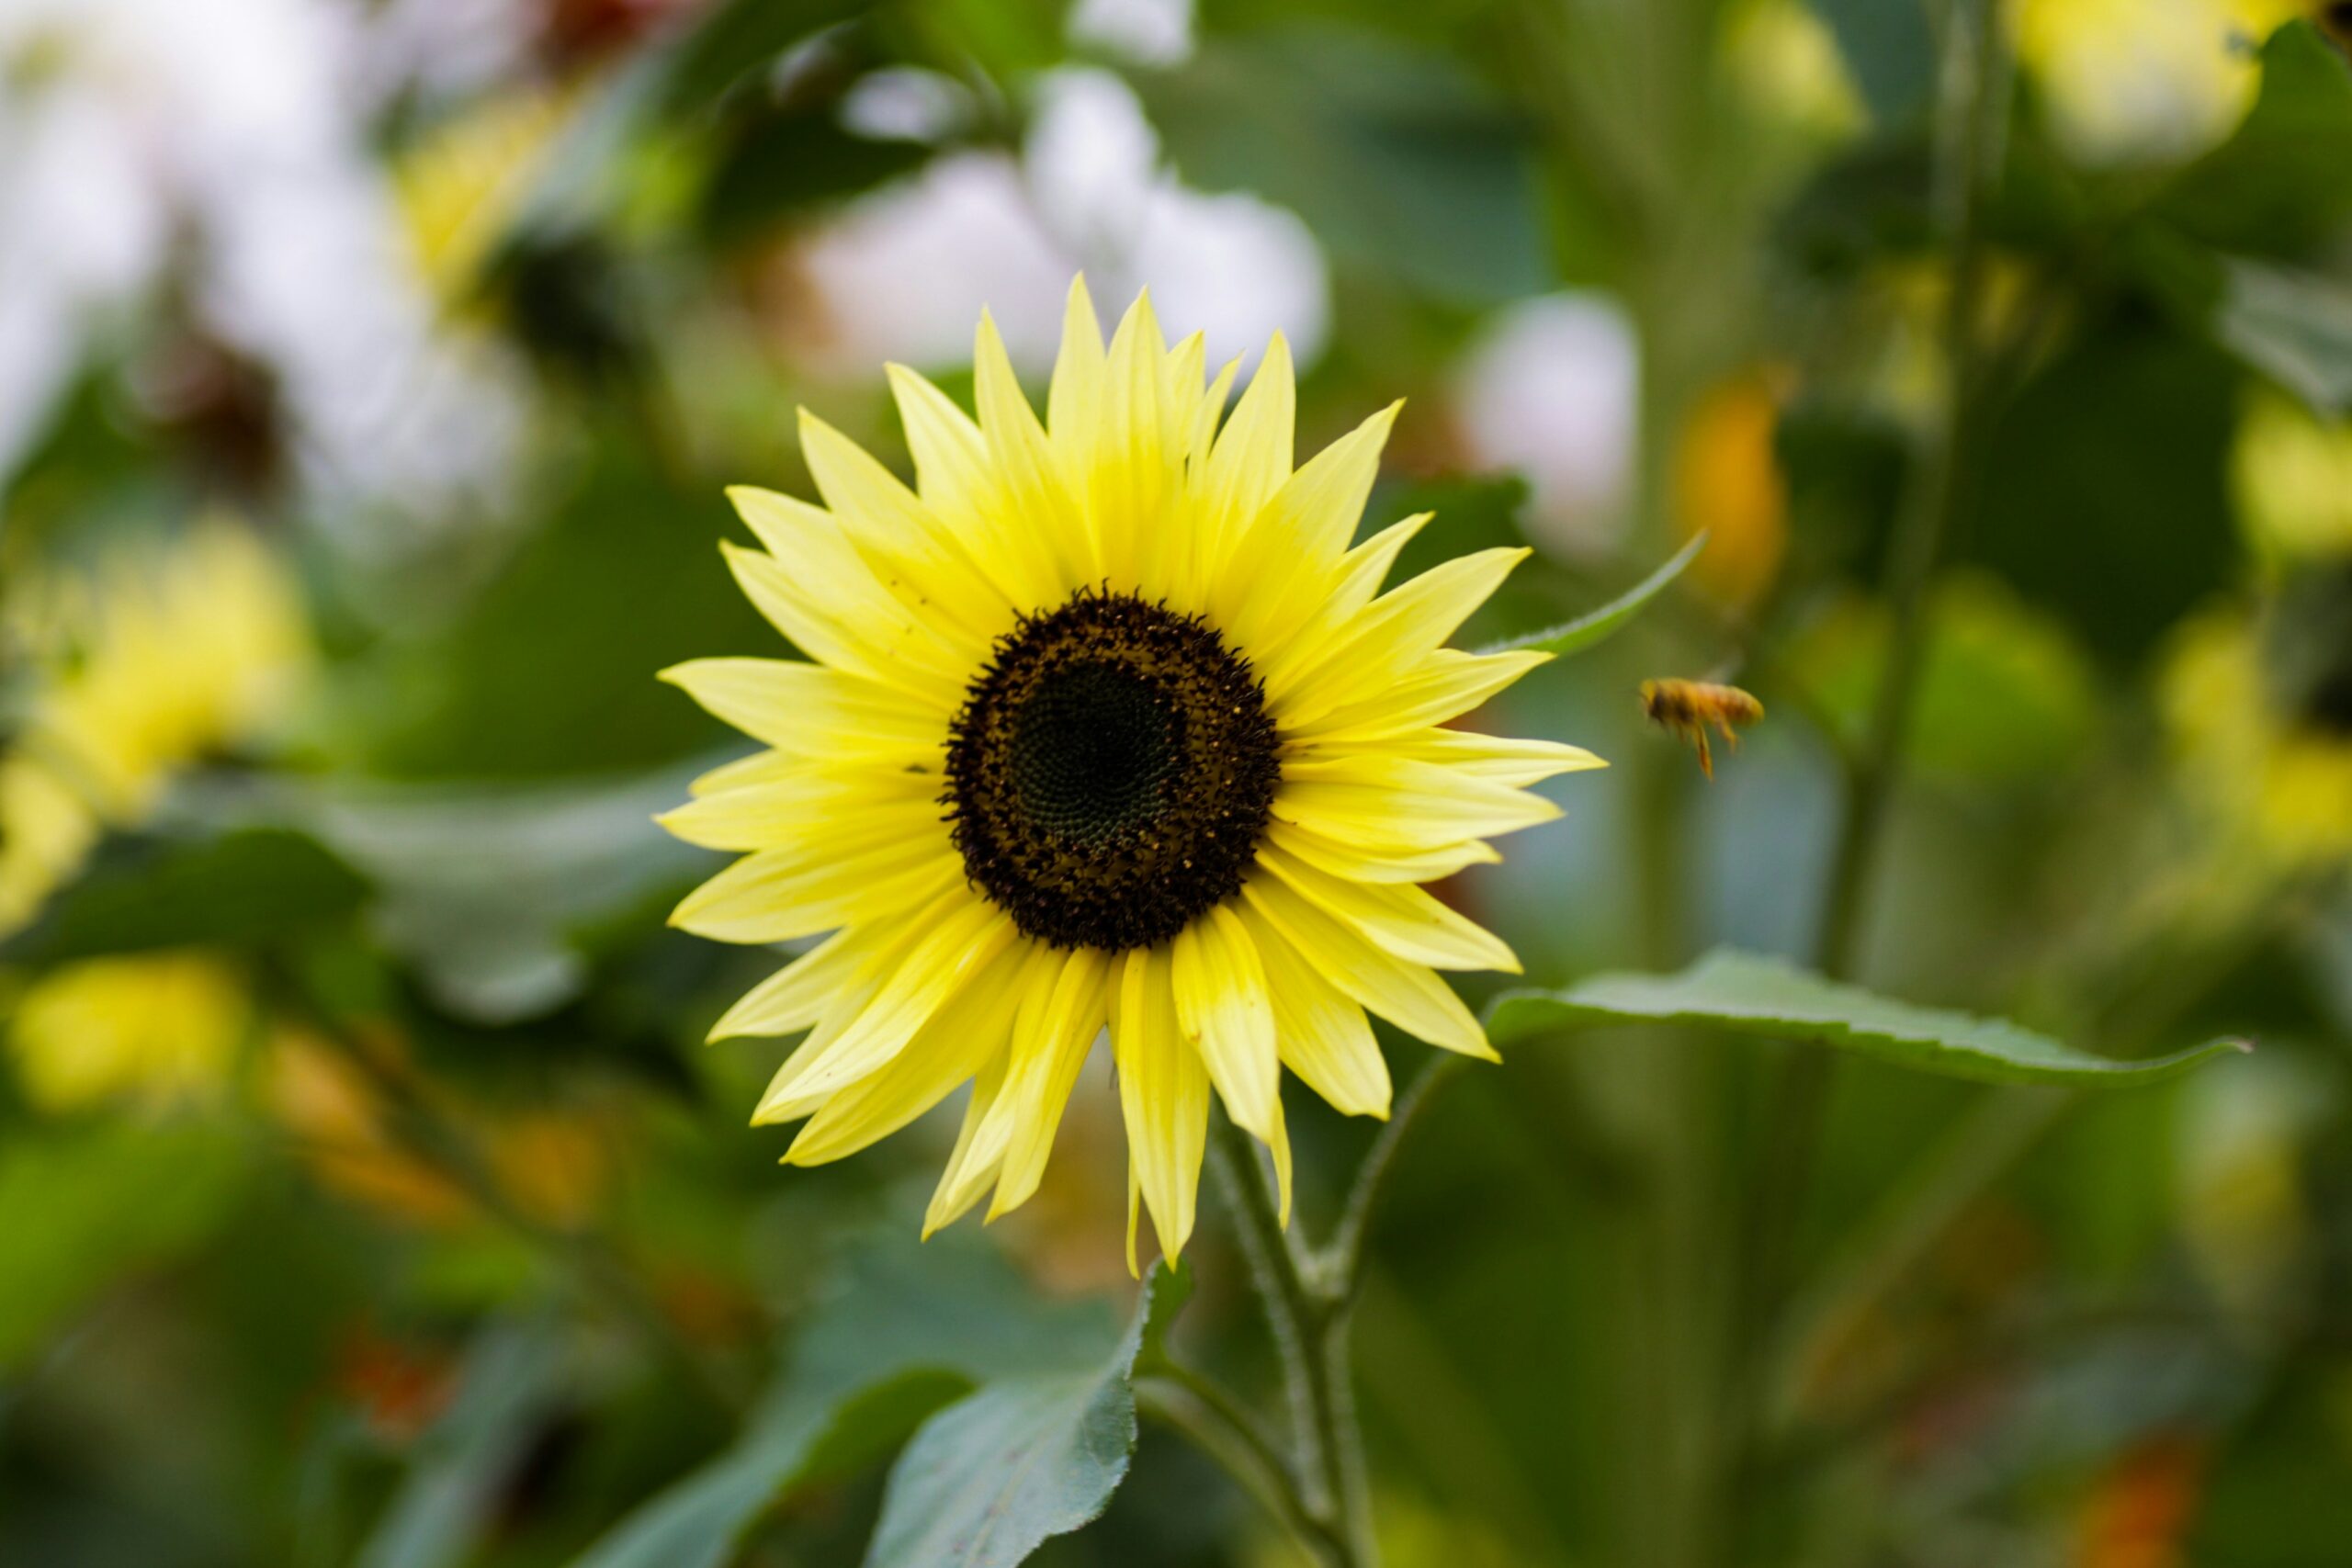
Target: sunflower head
pixel 154 1029
pixel 1104 725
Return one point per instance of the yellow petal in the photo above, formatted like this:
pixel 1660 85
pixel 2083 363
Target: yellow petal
pixel 1448 685
pixel 1050 1044
pixel 1402 921
pixel 959 1038
pixel 1164 1096
pixel 810 710
pixel 1498 759
pixel 905 543
pixel 1289 556
pixel 1227 1017
pixel 1074 400
pixel 1251 458
pixel 1132 465
pixel 1278 1143
pixel 1325 1037
pixel 1042 539
pixel 796 996
pixel 813 806
pixel 1395 802
pixel 1359 862
pixel 1392 635
pixel 777 895
pixel 958 948
pixel 1407 995
pixel 970 1167
pixel 854 627
pixel 1361 572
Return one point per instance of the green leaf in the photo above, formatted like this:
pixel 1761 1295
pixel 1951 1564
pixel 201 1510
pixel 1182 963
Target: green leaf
pixel 910 1329
pixel 2294 327
pixel 1750 995
pixel 990 1479
pixel 1594 628
pixel 736 41
pixel 483 886
pixel 787 161
pixel 80 1208
pixel 2102 491
pixel 241 889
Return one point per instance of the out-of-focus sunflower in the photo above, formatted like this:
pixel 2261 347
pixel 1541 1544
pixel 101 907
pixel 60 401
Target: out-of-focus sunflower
pixel 2291 478
pixel 149 663
pixel 2131 82
pixel 154 1029
pixel 1107 724
pixel 460 187
pixel 2261 710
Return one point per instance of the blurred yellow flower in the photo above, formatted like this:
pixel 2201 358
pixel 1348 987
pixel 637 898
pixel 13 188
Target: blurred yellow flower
pixel 2146 81
pixel 2292 476
pixel 462 185
pixel 46 829
pixel 2281 780
pixel 141 668
pixel 1787 60
pixel 1727 481
pixel 155 1029
pixel 1108 727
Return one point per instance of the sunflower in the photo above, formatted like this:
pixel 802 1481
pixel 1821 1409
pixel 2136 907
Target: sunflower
pixel 1105 724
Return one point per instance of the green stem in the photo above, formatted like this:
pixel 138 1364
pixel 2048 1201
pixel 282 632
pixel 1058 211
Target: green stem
pixel 1207 1417
pixel 1972 107
pixel 1310 1333
pixel 1338 1271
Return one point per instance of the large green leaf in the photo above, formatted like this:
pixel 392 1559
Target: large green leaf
pixel 1595 627
pixel 908 1329
pixel 2102 491
pixel 483 888
pixel 990 1479
pixel 242 888
pixel 1750 995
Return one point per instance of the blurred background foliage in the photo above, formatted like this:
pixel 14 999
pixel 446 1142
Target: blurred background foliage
pixel 369 370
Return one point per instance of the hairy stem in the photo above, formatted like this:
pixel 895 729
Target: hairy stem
pixel 1310 1333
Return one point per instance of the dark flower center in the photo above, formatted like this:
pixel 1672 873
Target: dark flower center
pixel 1110 773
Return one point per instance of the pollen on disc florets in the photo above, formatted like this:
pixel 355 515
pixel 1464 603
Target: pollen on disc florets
pixel 1111 772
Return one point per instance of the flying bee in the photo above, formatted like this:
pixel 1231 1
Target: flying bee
pixel 1688 707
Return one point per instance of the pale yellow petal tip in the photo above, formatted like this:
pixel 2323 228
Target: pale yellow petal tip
pixel 743 498
pixel 1135 1216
